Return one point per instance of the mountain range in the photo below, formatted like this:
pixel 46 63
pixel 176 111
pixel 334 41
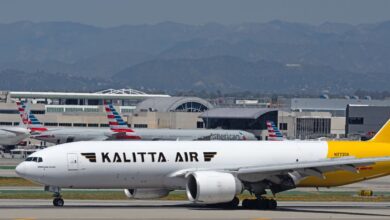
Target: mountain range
pixel 266 57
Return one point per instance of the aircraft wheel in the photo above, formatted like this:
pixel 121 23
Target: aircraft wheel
pixel 232 204
pixel 248 203
pixel 58 202
pixel 272 204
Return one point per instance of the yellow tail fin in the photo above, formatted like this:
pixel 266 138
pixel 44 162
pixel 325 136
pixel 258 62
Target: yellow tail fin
pixel 383 134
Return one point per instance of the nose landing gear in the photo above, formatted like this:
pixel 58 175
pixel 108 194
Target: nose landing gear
pixel 57 201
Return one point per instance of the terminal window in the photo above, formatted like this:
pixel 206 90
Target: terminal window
pixel 283 126
pixel 355 120
pixel 5 123
pixel 38 112
pixel 51 124
pixel 65 124
pixel 140 125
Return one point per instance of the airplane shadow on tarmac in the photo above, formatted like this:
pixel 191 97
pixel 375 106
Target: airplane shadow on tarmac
pixel 305 209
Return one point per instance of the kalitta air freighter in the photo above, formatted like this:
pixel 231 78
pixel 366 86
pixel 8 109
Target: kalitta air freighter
pixel 211 172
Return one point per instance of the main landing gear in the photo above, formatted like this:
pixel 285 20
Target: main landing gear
pixel 227 205
pixel 260 203
pixel 57 201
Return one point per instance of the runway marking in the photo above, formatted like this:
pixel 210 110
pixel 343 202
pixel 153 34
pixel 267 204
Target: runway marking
pixel 262 219
pixel 25 218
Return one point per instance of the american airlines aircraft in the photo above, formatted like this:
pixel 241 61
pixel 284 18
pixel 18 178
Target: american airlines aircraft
pixel 12 135
pixel 274 133
pixel 119 130
pixel 117 124
pixel 211 172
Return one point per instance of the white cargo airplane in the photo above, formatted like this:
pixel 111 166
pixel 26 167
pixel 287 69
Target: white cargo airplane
pixel 211 172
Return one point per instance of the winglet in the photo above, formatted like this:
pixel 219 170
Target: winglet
pixel 383 134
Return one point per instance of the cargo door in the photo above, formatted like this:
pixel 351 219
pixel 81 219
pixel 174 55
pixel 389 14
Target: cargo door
pixel 73 163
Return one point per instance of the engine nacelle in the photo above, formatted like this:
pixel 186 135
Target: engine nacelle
pixel 210 187
pixel 146 193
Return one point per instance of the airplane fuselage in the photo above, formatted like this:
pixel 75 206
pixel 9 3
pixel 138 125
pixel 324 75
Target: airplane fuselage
pixel 144 164
pixel 66 135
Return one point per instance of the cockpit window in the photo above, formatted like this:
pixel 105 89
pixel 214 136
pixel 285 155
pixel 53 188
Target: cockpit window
pixel 34 159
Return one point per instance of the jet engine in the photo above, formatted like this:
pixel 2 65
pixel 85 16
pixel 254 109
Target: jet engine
pixel 211 187
pixel 146 193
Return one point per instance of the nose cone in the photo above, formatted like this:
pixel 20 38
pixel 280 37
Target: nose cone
pixel 20 170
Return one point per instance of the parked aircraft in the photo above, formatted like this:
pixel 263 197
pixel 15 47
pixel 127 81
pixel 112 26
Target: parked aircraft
pixel 119 130
pixel 117 124
pixel 58 135
pixel 12 135
pixel 211 172
pixel 274 133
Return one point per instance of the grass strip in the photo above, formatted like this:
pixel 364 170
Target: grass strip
pixel 15 181
pixel 7 167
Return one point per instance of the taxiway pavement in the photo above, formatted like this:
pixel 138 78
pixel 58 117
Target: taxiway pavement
pixel 156 209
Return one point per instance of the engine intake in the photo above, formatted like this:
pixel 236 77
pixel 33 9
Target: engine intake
pixel 210 187
pixel 146 193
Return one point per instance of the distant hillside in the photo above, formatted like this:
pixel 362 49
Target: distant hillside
pixel 16 80
pixel 249 56
pixel 230 74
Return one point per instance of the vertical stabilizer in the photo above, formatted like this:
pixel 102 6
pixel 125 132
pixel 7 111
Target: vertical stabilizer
pixel 383 134
pixel 274 133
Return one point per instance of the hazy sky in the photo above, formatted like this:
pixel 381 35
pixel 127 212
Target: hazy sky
pixel 117 12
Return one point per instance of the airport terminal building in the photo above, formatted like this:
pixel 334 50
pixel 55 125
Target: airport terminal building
pixel 300 119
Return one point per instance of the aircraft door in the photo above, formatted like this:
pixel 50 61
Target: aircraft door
pixel 73 163
pixel 69 139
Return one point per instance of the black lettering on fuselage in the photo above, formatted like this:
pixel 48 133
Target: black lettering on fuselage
pixel 161 157
pixel 152 155
pixel 117 158
pixel 188 157
pixel 179 158
pixel 105 158
pixel 125 158
pixel 142 156
pixel 194 157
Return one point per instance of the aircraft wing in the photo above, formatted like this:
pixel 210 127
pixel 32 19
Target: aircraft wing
pixel 318 168
pixel 18 131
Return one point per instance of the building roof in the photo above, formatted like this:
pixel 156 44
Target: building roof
pixel 318 104
pixel 107 94
pixel 242 113
pixel 169 104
